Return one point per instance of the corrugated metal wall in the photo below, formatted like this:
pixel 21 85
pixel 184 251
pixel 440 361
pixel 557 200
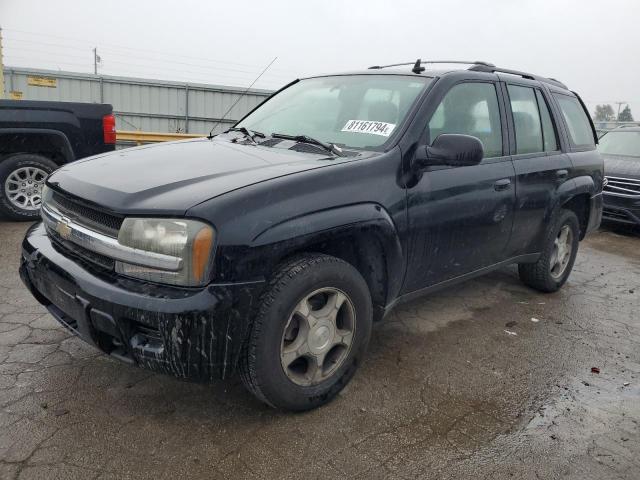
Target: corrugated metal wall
pixel 140 104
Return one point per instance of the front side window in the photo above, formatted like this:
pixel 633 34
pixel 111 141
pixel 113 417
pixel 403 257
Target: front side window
pixel 358 111
pixel 621 143
pixel 470 109
pixel 580 132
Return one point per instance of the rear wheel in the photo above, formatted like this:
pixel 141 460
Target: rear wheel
pixel 21 180
pixel 554 266
pixel 309 335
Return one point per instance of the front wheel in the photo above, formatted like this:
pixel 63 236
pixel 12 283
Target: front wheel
pixel 22 177
pixel 560 247
pixel 309 335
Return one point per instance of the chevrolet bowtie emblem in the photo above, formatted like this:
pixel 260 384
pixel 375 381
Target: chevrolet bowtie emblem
pixel 63 228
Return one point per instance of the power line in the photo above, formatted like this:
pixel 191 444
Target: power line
pixel 153 63
pixel 102 45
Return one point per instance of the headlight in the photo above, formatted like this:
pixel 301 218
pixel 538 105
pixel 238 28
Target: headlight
pixel 190 241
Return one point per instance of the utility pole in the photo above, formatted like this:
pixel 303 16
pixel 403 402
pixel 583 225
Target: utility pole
pixel 1 68
pixel 95 61
pixel 619 105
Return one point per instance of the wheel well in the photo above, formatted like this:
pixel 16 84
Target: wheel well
pixel 52 147
pixel 580 206
pixel 366 254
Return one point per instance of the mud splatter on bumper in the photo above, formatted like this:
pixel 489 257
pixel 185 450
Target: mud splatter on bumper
pixel 195 334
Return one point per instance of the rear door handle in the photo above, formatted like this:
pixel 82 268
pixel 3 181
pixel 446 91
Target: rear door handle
pixel 562 173
pixel 502 184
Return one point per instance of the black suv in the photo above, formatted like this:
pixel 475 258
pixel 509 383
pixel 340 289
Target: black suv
pixel 274 246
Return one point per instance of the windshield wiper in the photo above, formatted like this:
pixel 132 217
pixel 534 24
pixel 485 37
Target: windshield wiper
pixel 251 134
pixel 330 147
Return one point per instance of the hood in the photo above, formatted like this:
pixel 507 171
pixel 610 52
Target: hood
pixel 621 166
pixel 173 177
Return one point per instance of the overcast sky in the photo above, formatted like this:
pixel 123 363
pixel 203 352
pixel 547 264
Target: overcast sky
pixel 592 46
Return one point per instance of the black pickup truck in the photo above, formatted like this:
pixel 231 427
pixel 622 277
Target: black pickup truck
pixel 274 247
pixel 36 138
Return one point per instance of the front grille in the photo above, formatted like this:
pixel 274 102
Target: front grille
pixel 100 221
pixel 80 253
pixel 89 217
pixel 624 187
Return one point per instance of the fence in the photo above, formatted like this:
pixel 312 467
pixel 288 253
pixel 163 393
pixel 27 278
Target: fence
pixel 139 104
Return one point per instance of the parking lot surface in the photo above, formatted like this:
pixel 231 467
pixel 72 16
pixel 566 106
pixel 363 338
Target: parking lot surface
pixel 487 379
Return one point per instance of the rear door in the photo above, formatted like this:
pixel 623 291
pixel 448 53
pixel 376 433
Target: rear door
pixel 541 166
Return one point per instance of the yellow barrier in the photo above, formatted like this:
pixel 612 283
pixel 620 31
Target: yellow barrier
pixel 151 137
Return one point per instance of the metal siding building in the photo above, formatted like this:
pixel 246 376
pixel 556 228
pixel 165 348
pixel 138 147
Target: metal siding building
pixel 140 104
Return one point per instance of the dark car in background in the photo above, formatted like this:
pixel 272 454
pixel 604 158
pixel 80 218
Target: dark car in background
pixel 621 151
pixel 37 137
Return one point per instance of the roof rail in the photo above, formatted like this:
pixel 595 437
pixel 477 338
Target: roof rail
pixel 418 68
pixel 530 76
pixel 476 66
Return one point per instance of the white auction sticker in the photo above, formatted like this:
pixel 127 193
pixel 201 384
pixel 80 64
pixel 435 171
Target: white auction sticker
pixel 369 126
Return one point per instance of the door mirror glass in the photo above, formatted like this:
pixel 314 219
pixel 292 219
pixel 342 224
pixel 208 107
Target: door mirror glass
pixel 451 149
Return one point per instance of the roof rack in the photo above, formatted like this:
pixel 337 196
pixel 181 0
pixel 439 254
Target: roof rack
pixel 530 76
pixel 476 66
pixel 418 68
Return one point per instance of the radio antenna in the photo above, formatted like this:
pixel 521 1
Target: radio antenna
pixel 241 95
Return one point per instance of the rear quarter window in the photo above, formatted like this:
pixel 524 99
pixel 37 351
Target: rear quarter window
pixel 580 133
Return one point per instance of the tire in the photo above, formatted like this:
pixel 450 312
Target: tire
pixel 547 275
pixel 281 328
pixel 22 166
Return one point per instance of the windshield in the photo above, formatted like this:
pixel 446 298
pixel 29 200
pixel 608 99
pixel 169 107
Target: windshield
pixel 620 143
pixel 359 111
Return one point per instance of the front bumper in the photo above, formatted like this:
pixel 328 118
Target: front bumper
pixel 190 333
pixel 621 209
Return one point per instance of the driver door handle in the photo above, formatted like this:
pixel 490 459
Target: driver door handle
pixel 502 184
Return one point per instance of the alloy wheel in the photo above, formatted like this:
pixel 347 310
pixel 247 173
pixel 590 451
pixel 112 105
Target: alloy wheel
pixel 562 248
pixel 318 336
pixel 23 187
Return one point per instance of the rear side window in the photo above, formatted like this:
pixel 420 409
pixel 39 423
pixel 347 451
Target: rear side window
pixel 470 109
pixel 526 119
pixel 580 133
pixel 548 130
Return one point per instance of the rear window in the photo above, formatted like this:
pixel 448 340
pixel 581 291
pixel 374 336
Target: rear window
pixel 580 133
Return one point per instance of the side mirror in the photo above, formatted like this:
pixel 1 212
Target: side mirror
pixel 450 149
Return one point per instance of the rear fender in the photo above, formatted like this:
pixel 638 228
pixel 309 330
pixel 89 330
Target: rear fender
pixel 53 144
pixel 582 185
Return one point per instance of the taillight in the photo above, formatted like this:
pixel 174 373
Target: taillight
pixel 109 129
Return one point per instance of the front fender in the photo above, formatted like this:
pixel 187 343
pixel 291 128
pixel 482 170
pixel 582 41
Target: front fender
pixel 367 224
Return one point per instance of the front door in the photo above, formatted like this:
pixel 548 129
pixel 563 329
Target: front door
pixel 460 218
